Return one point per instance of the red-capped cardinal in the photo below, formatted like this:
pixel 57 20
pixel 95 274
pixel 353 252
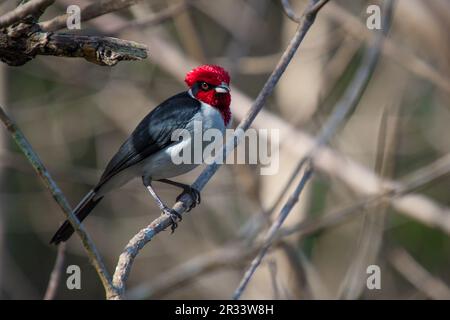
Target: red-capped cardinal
pixel 148 151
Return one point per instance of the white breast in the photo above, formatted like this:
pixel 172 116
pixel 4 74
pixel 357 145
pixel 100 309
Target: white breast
pixel 160 165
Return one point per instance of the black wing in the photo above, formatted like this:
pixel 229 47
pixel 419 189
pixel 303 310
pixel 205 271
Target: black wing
pixel 153 133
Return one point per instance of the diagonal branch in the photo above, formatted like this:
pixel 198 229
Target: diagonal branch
pixel 21 42
pixel 418 276
pixel 130 252
pixel 55 276
pixel 341 111
pixel 105 51
pixel 271 234
pixel 34 8
pixel 357 177
pixel 60 199
pixel 234 254
pixel 91 11
pixel 397 194
pixel 290 13
pixel 153 20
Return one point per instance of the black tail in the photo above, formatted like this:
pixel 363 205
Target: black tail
pixel 81 211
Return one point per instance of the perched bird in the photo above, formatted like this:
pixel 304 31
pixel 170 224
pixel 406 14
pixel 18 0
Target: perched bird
pixel 148 151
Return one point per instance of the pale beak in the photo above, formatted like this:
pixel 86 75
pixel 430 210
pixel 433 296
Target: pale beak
pixel 223 88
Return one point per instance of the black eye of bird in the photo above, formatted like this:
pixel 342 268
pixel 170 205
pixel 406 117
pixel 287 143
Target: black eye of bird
pixel 205 86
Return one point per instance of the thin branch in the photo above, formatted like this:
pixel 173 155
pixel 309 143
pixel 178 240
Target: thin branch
pixel 396 52
pixel 412 182
pixel 355 90
pixel 105 51
pixel 21 43
pixel 418 276
pixel 145 235
pixel 60 199
pixel 34 7
pixel 229 256
pixel 289 11
pixel 153 20
pixel 271 234
pixel 91 11
pixel 397 193
pixel 342 110
pixel 55 276
pixel 373 220
pixel 235 254
pixel 273 278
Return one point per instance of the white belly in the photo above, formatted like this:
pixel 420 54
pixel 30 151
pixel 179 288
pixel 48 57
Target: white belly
pixel 161 165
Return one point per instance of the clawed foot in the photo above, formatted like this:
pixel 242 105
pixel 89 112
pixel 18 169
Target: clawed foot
pixel 194 194
pixel 174 216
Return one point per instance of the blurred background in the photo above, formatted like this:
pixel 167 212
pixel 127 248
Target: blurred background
pixel 76 114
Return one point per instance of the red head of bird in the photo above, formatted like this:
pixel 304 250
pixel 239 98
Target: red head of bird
pixel 211 84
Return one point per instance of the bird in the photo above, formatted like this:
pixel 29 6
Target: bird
pixel 148 152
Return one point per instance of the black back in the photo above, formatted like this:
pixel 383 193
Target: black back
pixel 153 133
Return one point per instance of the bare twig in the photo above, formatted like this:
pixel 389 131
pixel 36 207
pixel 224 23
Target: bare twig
pixel 153 20
pixel 145 235
pixel 343 108
pixel 372 226
pixel 55 276
pixel 273 278
pixel 21 43
pixel 289 11
pixel 234 254
pixel 357 87
pixel 392 49
pixel 418 276
pixel 60 199
pixel 104 51
pixel 34 7
pixel 91 11
pixel 230 256
pixel 412 182
pixel 396 194
pixel 271 234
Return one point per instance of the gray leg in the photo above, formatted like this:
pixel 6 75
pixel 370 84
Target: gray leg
pixel 163 207
pixel 187 189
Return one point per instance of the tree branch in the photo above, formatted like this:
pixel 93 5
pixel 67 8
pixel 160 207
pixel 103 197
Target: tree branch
pixel 34 8
pixel 44 175
pixel 100 50
pixel 290 13
pixel 271 234
pixel 355 176
pixel 91 11
pixel 423 69
pixel 341 111
pixel 145 235
pixel 397 194
pixel 21 43
pixel 418 276
pixel 153 20
pixel 234 254
pixel 55 276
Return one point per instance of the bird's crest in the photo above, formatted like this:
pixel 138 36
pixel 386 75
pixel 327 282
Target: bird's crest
pixel 212 74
